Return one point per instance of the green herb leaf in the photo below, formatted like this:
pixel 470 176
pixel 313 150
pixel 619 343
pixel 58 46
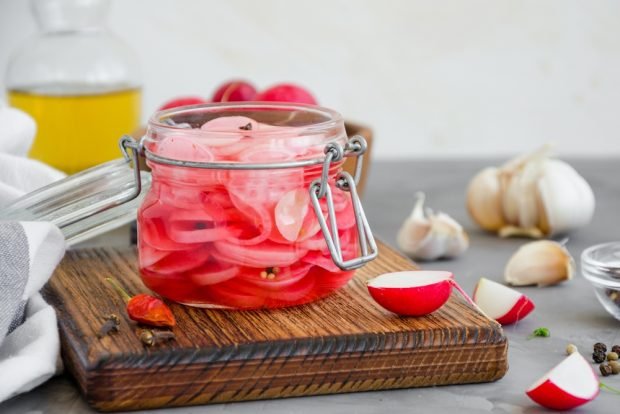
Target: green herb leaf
pixel 540 332
pixel 604 386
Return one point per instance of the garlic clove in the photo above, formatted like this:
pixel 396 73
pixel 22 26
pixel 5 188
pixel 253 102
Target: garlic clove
pixel 415 229
pixel 429 236
pixel 514 231
pixel 567 198
pixel 542 263
pixel 484 199
pixel 455 239
pixel 530 195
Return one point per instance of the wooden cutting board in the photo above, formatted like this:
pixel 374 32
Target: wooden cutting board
pixel 343 343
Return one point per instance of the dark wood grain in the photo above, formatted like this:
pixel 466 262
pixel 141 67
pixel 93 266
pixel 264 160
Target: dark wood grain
pixel 343 343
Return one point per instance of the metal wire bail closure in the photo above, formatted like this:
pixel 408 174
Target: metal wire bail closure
pixel 127 143
pixel 356 146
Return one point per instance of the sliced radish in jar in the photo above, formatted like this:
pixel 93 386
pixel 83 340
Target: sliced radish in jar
pixel 316 242
pixel 229 124
pixel 213 272
pixel 322 260
pixel 259 255
pixel 330 281
pixel 147 255
pixel 230 294
pixel 153 232
pixel 180 261
pixel 229 152
pixel 257 224
pixel 267 153
pixel 290 213
pixel 274 277
pixel 183 148
pixel 199 232
pixel 295 292
pixel 188 176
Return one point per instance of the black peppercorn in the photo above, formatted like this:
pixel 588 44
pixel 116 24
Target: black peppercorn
pixel 616 349
pixel 605 370
pixel 599 346
pixel 599 356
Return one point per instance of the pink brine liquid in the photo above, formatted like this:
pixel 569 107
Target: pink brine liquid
pixel 241 239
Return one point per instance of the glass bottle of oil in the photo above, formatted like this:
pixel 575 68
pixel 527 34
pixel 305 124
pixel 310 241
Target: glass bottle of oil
pixel 78 81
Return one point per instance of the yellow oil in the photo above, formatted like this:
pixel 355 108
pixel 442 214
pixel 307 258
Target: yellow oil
pixel 78 131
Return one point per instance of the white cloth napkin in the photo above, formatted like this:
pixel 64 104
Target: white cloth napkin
pixel 29 253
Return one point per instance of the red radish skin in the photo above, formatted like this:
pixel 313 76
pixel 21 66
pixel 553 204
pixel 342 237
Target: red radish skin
pixel 234 91
pixel 551 396
pixel 514 305
pixel 286 92
pixel 417 293
pixel 568 385
pixel 183 101
pixel 520 310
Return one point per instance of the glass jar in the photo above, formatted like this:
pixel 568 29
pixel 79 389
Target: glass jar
pixel 78 81
pixel 246 206
pixel 600 265
pixel 236 214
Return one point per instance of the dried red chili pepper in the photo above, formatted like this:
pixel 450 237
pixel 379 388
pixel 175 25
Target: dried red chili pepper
pixel 146 309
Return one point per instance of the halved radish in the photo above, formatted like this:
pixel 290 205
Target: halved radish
pixel 569 384
pixel 500 302
pixel 412 293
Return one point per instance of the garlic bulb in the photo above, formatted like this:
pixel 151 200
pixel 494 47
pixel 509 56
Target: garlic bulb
pixel 531 195
pixel 541 263
pixel 429 236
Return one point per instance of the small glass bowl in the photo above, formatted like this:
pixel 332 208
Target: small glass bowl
pixel 600 264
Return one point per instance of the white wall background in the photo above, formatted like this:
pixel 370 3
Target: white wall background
pixel 433 78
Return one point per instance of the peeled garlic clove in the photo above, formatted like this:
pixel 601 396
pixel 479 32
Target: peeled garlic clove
pixel 541 263
pixel 431 236
pixel 484 200
pixel 567 198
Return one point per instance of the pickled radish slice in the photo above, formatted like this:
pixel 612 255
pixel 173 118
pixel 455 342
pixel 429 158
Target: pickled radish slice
pixel 266 153
pixel 229 152
pixel 290 213
pixel 227 295
pixel 229 125
pixel 275 278
pixel 153 232
pixel 199 232
pixel 257 218
pixel 330 281
pixel 183 148
pixel 322 260
pixel 213 272
pixel 270 253
pixel 316 242
pixel 148 255
pixel 180 261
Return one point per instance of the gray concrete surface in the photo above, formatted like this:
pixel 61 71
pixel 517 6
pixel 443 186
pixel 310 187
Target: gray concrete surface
pixel 570 310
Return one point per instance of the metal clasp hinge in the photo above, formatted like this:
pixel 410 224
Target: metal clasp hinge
pixel 356 147
pixel 127 144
